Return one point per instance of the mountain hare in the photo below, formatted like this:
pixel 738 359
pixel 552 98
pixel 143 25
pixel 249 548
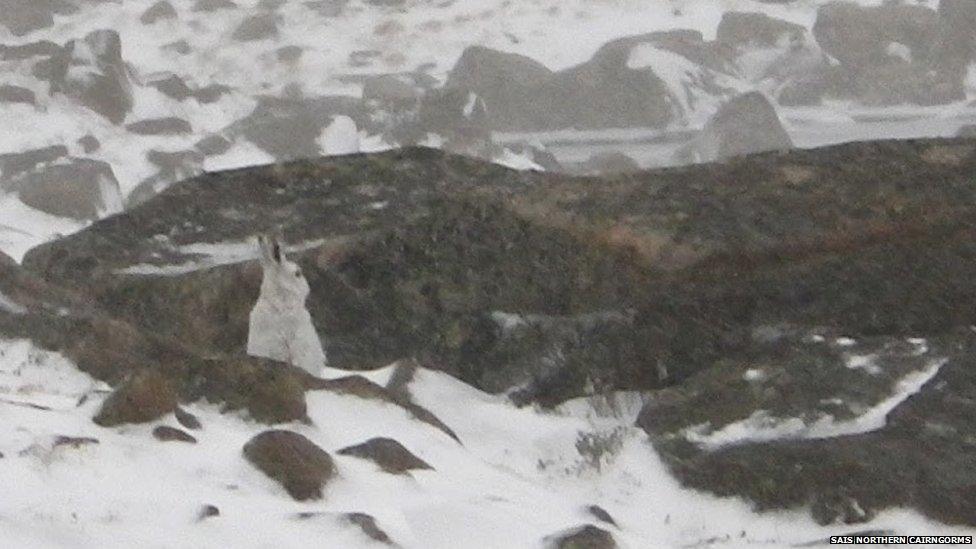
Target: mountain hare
pixel 281 328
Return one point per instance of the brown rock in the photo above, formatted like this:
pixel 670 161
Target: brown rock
pixel 389 454
pixel 145 396
pixel 171 434
pixel 187 419
pixel 300 466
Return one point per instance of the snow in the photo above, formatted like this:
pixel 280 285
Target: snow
pixel 518 477
pixel 761 426
pixel 23 227
pixel 863 362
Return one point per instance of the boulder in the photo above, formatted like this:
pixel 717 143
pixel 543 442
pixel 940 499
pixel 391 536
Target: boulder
pixel 92 72
pixel 292 460
pixel 89 143
pixel 76 188
pixel 742 30
pixel 290 127
pixel 44 48
pixel 257 27
pixel 157 12
pixel 16 94
pixel 173 86
pixel 388 454
pixel 505 82
pixel 213 145
pixel 861 37
pixel 391 91
pixel 208 6
pixel 160 126
pixel 145 396
pixel 367 523
pixel 186 419
pixel 22 17
pixel 581 537
pixel 15 164
pixel 744 125
pixel 165 433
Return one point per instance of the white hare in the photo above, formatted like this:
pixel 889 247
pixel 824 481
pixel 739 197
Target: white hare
pixel 281 328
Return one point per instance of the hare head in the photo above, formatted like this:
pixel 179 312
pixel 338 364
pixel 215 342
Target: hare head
pixel 283 280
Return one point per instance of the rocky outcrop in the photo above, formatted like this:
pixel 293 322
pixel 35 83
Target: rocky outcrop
pixel 582 537
pixel 295 462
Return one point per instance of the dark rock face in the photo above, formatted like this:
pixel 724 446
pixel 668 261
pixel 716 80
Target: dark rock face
pixel 145 396
pixel 187 419
pixel 16 94
pixel 745 125
pixel 601 514
pixel 89 144
pixel 76 188
pixel 164 433
pixel 22 17
pixel 173 86
pixel 213 145
pixel 208 511
pixel 583 537
pixel 389 454
pixel 300 466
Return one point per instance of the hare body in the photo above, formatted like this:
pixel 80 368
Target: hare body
pixel 280 326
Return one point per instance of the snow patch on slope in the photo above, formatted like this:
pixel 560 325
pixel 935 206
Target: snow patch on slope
pixel 763 427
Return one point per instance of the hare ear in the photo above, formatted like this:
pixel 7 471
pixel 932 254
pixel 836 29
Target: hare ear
pixel 267 254
pixel 277 251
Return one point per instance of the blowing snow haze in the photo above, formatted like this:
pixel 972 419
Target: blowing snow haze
pixel 587 273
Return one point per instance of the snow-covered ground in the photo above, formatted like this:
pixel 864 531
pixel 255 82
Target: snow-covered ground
pixel 518 475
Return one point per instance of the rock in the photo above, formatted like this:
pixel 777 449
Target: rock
pixel 157 12
pixel 601 514
pixel 289 128
pixel 16 94
pixel 92 72
pixel 391 91
pixel 295 462
pixel 289 54
pixel 174 87
pixel 89 144
pixel 460 117
pixel 211 93
pixel 213 5
pixel 745 125
pixel 389 454
pixel 15 164
pixel 78 188
pixel 609 163
pixel 756 30
pixel 257 27
pixel 340 137
pixel 582 537
pixel 181 47
pixel 21 17
pixel 160 126
pixel 187 419
pixel 369 527
pixel 143 397
pixel 504 81
pixel 836 508
pixel 327 8
pixel 208 511
pixel 213 145
pixel 73 442
pixel 894 53
pixel 43 48
pixel 859 36
pixel 170 434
